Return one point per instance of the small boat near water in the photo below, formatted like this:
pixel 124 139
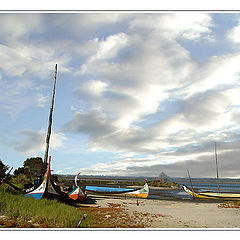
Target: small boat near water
pixel 76 194
pixel 140 193
pixel 209 194
pixel 212 195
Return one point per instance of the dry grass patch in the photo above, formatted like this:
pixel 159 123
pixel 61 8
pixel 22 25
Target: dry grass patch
pixel 232 204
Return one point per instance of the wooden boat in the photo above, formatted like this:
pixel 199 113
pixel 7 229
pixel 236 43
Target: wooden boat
pixel 47 187
pixel 77 194
pixel 40 190
pixel 212 195
pixel 208 194
pixel 140 193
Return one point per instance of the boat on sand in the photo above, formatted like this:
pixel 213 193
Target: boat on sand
pixel 212 195
pixel 139 193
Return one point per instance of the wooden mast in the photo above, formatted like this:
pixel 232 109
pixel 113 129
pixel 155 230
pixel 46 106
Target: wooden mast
pixel 50 119
pixel 191 183
pixel 216 165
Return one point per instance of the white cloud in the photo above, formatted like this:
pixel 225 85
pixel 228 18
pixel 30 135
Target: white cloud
pixel 110 47
pixel 215 73
pixel 192 26
pixel 15 26
pixel 85 24
pixel 11 62
pixel 139 89
pixel 234 34
pixel 138 75
pixel 92 88
pixel 32 142
pixel 41 100
pixel 24 68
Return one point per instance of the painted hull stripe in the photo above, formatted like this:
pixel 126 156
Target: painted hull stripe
pixel 206 195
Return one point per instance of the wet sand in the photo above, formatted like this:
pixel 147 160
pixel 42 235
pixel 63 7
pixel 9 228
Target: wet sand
pixel 149 213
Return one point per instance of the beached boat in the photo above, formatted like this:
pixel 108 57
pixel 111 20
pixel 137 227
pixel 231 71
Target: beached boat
pixel 209 194
pixel 212 195
pixel 140 193
pixel 55 191
pixel 39 191
pixel 45 185
pixel 76 194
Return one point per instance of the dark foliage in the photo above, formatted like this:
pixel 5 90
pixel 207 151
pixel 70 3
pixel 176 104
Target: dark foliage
pixel 32 167
pixel 3 169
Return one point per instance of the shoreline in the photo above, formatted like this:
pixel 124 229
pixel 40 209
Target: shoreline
pixel 160 214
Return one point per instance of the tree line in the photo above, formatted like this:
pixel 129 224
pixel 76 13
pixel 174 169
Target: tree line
pixel 31 169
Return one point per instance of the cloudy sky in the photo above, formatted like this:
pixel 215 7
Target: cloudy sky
pixel 137 93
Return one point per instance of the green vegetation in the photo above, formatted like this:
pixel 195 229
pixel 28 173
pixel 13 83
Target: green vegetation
pixel 159 183
pixel 30 212
pixel 3 169
pixel 31 168
pixel 23 176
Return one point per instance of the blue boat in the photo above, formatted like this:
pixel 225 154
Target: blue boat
pixel 141 193
pixel 108 189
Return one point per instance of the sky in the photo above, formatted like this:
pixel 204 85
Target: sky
pixel 137 93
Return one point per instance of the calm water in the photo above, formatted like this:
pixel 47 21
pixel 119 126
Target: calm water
pixel 202 184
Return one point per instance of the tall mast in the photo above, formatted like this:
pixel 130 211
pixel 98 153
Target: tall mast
pixel 216 165
pixel 50 118
pixel 191 183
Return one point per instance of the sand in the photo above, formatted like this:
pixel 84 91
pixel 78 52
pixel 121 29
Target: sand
pixel 149 213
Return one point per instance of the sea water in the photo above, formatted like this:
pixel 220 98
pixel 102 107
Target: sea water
pixel 201 184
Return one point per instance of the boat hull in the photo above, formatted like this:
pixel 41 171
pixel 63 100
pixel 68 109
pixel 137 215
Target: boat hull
pixel 39 191
pixel 54 191
pixel 140 193
pixel 34 195
pixel 77 194
pixel 212 195
pixel 107 190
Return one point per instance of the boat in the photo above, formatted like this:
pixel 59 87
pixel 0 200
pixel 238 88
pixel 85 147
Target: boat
pixel 139 193
pixel 212 195
pixel 55 191
pixel 39 191
pixel 209 194
pixel 46 186
pixel 75 194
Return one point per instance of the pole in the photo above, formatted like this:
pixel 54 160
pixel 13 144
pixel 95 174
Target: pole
pixel 191 183
pixel 50 119
pixel 216 165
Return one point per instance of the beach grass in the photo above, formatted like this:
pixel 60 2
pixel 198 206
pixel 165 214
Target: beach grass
pixel 40 213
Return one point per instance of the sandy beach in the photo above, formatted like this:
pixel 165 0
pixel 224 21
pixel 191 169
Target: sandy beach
pixel 149 213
